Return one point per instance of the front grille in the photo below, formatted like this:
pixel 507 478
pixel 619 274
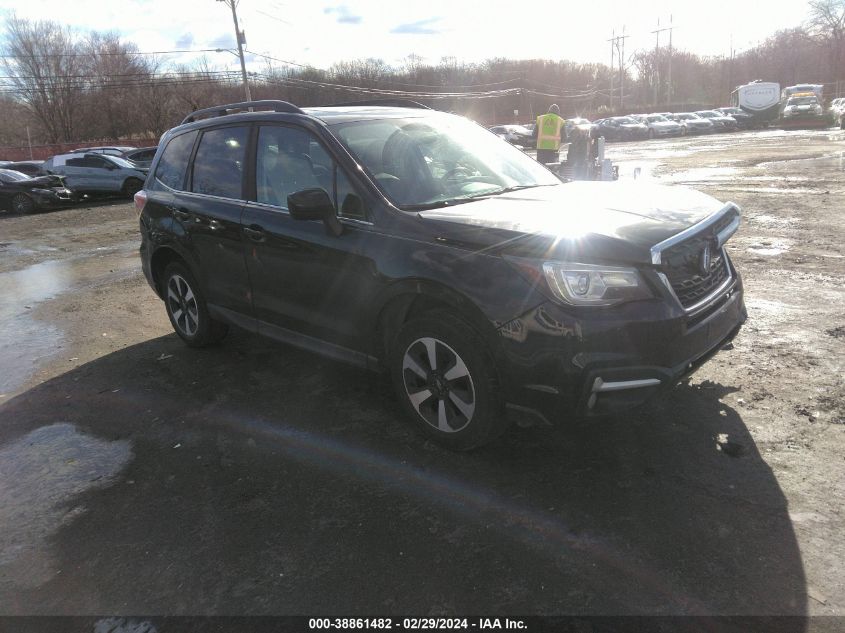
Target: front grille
pixel 683 265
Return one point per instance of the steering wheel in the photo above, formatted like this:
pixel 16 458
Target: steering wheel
pixel 450 175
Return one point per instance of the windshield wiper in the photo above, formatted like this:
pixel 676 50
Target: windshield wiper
pixel 437 204
pixel 453 201
pixel 506 190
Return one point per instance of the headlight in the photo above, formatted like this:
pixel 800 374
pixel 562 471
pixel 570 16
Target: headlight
pixel 43 192
pixel 585 284
pixel 818 109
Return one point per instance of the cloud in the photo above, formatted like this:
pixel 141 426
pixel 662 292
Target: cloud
pixel 418 28
pixel 186 40
pixel 223 41
pixel 344 15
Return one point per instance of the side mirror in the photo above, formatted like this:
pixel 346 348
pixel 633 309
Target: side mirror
pixel 315 204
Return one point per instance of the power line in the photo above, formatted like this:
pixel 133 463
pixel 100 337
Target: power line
pixel 94 54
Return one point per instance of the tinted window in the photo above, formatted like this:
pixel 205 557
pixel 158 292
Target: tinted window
pixel 174 160
pixel 75 162
pixel 289 160
pixel 347 201
pixel 219 163
pixel 97 163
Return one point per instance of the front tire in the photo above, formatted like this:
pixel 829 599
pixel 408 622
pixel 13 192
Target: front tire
pixel 22 203
pixel 187 310
pixel 445 381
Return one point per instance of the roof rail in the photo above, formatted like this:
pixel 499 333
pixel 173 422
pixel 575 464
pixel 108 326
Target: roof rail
pixel 397 103
pixel 223 110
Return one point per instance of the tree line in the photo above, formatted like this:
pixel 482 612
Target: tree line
pixel 62 87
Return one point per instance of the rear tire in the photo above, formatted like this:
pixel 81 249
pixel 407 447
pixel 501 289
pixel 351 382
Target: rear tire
pixel 132 186
pixel 187 310
pixel 22 203
pixel 445 381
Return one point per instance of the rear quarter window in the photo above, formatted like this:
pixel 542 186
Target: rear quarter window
pixel 174 161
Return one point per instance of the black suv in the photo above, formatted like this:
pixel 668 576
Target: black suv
pixel 416 242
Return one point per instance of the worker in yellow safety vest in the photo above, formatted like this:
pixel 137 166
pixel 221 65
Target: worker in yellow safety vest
pixel 550 133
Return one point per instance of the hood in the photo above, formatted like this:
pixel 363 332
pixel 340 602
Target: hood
pixel 610 221
pixel 44 181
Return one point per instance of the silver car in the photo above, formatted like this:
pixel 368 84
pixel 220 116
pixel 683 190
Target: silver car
pixel 693 124
pixel 97 173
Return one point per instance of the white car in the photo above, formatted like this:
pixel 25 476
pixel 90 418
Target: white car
pixel 659 125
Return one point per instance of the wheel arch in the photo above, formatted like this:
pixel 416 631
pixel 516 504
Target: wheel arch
pixel 410 298
pixel 161 259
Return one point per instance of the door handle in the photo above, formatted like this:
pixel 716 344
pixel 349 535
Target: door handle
pixel 254 232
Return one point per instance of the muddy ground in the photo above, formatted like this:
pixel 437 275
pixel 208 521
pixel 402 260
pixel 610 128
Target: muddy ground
pixel 138 476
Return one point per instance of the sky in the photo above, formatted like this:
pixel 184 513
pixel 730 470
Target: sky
pixel 321 32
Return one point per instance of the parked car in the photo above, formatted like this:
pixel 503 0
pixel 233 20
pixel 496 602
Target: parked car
pixel 119 150
pixel 744 120
pixel 22 194
pixel 837 106
pixel 97 173
pixel 660 126
pixel 802 105
pixel 413 242
pixel 621 128
pixel 577 123
pixel 31 168
pixel 693 124
pixel 142 156
pixel 515 134
pixel 721 123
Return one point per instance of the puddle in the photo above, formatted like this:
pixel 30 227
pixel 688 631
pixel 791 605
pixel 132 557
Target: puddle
pixel 835 162
pixel 39 475
pixel 25 341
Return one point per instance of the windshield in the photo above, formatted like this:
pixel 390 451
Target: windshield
pixel 802 101
pixel 10 175
pixel 121 162
pixel 656 118
pixel 438 160
pixel 625 120
pixel 708 114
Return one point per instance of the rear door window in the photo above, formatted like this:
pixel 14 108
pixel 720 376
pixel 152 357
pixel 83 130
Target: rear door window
pixel 174 161
pixel 219 164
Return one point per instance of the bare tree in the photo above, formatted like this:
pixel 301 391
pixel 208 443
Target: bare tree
pixel 46 69
pixel 827 24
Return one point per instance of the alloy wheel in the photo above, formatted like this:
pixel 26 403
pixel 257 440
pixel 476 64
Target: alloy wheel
pixel 182 305
pixel 438 384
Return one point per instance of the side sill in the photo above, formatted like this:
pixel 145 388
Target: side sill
pixel 296 339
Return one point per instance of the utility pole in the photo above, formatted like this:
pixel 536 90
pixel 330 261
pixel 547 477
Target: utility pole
pixel 239 35
pixel 617 45
pixel 656 73
pixel 669 82
pixel 612 41
pixel 622 39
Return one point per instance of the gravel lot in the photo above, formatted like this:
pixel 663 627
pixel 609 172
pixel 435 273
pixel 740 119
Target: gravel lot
pixel 138 476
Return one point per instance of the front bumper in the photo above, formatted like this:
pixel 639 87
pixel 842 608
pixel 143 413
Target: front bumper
pixel 561 362
pixel 52 200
